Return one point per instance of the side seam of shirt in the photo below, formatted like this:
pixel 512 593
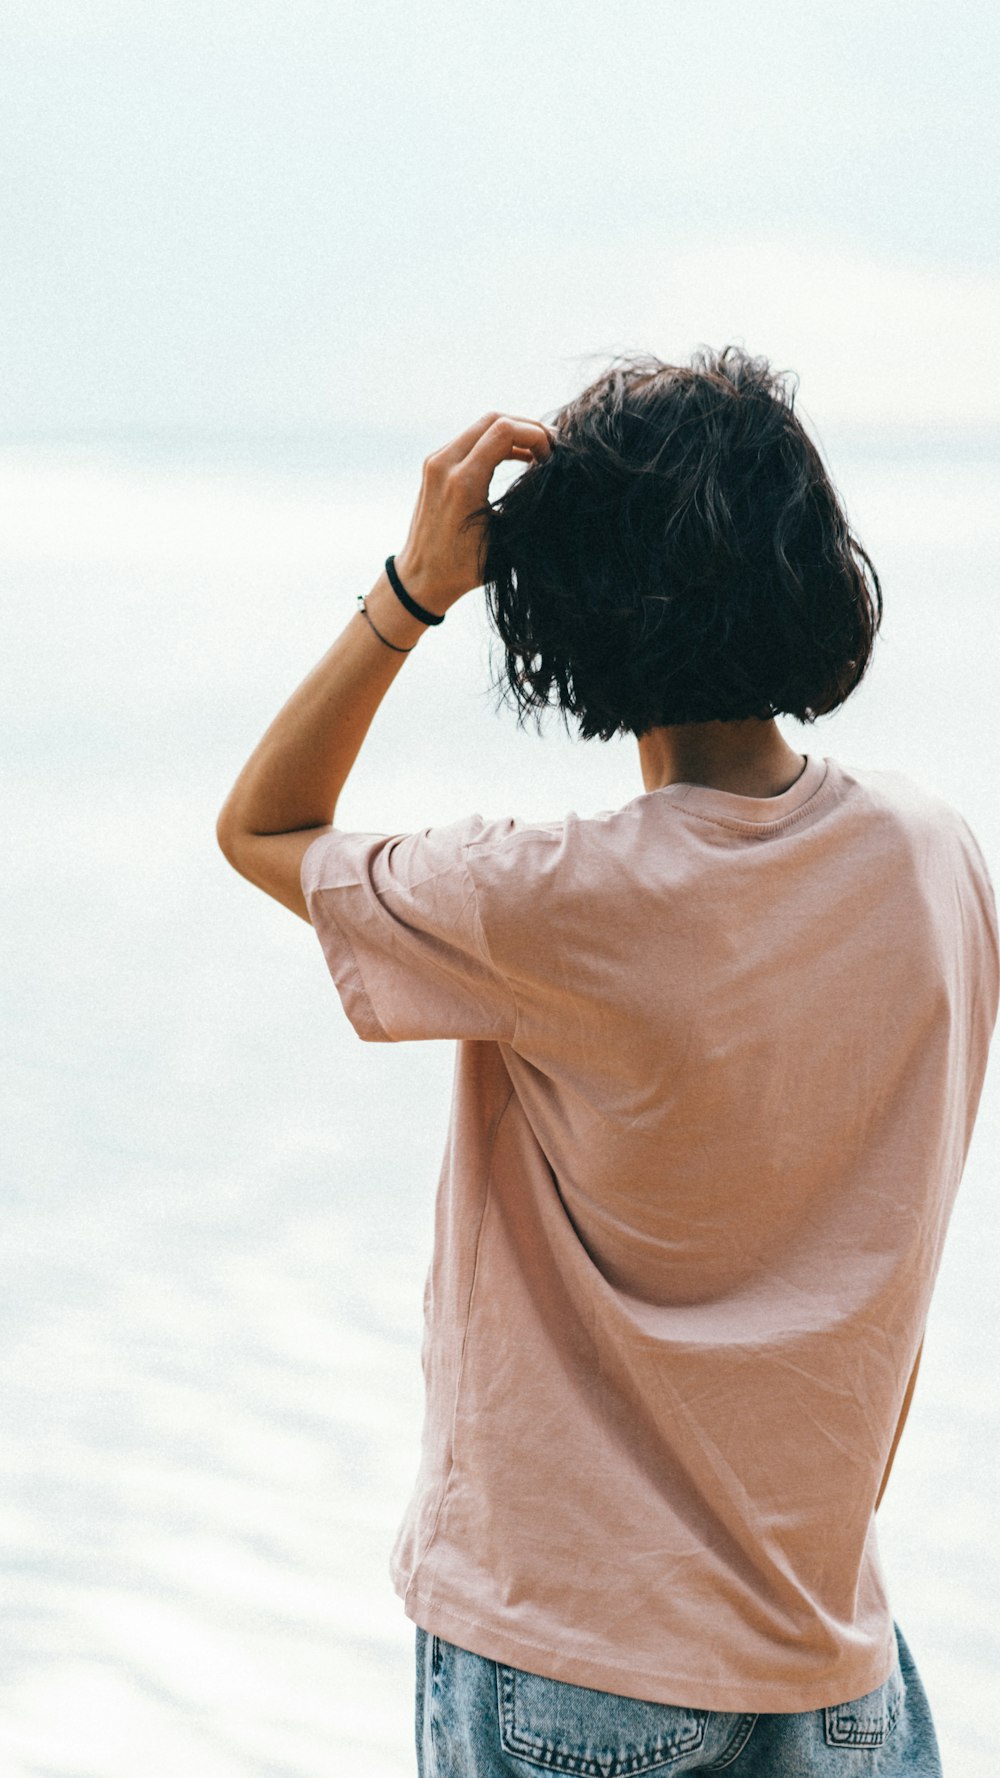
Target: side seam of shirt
pixel 412 1584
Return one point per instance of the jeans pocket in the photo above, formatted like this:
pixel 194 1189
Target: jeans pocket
pixel 867 1721
pixel 593 1734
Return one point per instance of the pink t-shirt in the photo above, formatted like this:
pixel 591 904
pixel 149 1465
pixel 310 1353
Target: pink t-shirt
pixel 718 1064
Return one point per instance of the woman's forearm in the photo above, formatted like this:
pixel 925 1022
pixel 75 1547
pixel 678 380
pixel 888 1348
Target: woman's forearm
pixel 295 775
pixel 289 787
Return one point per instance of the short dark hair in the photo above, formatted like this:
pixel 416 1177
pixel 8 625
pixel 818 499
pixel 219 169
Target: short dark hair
pixel 680 556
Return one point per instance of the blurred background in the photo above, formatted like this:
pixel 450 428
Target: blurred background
pixel 257 261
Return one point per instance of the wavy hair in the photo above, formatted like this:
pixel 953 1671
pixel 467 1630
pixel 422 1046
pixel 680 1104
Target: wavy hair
pixel 680 556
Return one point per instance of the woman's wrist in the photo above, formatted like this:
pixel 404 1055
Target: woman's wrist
pixel 426 584
pixel 390 616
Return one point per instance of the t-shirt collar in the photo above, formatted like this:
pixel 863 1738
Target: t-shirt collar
pixel 700 799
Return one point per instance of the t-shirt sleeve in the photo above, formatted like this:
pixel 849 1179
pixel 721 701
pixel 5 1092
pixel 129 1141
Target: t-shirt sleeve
pixel 398 921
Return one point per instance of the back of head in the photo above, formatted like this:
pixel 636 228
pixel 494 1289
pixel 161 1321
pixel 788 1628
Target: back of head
pixel 680 556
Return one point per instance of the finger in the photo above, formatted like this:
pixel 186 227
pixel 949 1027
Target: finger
pixel 461 446
pixel 506 438
pixel 529 420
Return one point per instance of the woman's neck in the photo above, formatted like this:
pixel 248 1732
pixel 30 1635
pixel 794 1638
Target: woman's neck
pixel 749 758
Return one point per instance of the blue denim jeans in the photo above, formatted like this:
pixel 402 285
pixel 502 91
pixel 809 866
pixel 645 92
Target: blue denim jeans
pixel 479 1719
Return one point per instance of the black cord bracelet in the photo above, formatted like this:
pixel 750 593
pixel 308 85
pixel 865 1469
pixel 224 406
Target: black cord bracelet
pixel 415 610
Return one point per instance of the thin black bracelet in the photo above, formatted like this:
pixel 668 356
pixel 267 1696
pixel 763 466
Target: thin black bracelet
pixel 364 612
pixel 415 610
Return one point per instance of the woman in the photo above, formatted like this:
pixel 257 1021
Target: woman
pixel 719 1055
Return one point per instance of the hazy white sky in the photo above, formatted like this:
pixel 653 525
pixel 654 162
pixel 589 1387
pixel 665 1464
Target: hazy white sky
pixel 271 215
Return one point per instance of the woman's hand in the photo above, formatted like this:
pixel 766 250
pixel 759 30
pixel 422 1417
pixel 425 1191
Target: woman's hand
pixel 439 560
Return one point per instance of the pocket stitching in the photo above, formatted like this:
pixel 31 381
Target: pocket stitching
pixel 541 1753
pixel 735 1745
pixel 842 1730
